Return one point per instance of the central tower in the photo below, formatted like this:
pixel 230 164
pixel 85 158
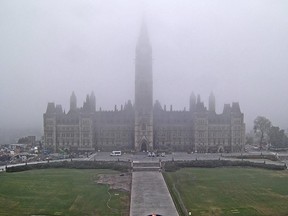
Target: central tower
pixel 143 93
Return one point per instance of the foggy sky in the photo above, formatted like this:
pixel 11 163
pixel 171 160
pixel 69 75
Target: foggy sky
pixel 237 49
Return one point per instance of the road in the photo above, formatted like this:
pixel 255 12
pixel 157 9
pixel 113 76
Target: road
pixel 176 156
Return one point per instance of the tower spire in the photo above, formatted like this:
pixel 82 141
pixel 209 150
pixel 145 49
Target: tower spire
pixel 143 72
pixel 73 102
pixel 143 37
pixel 212 102
pixel 93 102
pixel 192 106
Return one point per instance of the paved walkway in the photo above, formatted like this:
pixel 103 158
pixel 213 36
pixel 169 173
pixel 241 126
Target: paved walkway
pixel 150 195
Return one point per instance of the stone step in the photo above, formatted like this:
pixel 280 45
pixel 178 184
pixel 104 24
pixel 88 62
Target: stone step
pixel 141 169
pixel 139 166
pixel 146 164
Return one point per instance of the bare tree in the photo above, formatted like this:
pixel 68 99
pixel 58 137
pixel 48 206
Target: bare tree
pixel 262 126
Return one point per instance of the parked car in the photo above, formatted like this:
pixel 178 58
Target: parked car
pixel 116 153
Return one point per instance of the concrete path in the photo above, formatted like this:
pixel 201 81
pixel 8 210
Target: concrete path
pixel 150 195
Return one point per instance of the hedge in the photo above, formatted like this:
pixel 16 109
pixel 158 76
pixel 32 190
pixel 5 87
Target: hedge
pixel 172 166
pixel 119 166
pixel 267 157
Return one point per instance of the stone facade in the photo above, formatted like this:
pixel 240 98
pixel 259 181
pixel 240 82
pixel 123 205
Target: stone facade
pixel 144 126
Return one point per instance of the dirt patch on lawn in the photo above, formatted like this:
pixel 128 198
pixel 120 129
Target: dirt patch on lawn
pixel 116 181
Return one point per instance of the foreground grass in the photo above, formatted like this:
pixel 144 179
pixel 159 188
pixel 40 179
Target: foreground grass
pixel 231 191
pixel 59 192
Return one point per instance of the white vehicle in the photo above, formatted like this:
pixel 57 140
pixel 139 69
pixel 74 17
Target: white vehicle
pixel 116 153
pixel 151 154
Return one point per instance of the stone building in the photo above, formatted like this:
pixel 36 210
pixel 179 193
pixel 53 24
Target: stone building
pixel 144 126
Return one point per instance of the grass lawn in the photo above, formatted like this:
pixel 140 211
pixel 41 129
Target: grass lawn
pixel 59 192
pixel 231 191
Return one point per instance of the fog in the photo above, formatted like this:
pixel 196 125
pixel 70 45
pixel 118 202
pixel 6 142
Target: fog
pixel 236 49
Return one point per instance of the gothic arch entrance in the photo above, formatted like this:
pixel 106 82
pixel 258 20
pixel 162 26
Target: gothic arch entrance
pixel 220 149
pixel 144 146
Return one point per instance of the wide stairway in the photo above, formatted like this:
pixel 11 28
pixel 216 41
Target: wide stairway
pixel 146 166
